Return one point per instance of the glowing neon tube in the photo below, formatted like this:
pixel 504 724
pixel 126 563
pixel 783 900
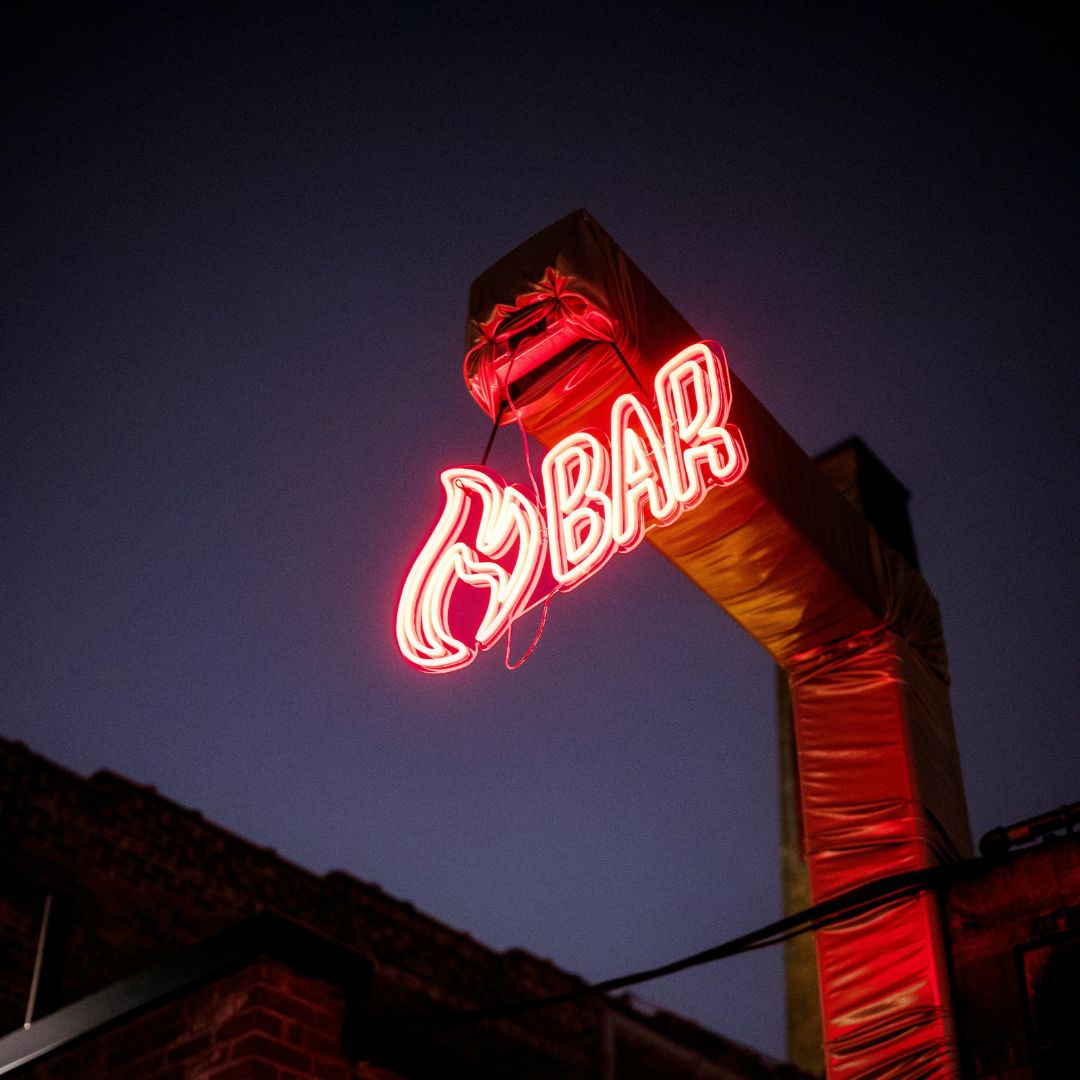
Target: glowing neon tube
pixel 599 497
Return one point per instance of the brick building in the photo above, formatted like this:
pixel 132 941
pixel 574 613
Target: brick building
pixel 173 948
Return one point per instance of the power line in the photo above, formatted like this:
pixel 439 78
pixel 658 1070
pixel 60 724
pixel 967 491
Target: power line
pixel 847 905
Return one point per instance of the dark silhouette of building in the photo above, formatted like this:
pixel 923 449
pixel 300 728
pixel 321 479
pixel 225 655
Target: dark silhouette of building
pixel 1013 922
pixel 140 940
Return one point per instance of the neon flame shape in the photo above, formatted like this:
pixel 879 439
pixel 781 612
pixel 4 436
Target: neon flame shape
pixel 599 498
pixel 508 516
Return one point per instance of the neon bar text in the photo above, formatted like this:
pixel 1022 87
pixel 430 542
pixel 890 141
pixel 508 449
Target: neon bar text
pixel 601 493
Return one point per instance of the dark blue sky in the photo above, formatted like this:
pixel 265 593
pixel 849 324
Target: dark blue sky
pixel 238 243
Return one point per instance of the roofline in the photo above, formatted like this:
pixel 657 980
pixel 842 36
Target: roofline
pixel 265 934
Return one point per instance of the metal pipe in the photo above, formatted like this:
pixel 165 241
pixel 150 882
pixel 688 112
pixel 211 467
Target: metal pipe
pixel 998 841
pixel 38 961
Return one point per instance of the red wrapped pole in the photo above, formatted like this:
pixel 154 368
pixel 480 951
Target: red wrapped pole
pixel 560 327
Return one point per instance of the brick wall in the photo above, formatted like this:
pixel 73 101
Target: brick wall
pixel 1015 933
pixel 140 876
pixel 136 878
pixel 263 1021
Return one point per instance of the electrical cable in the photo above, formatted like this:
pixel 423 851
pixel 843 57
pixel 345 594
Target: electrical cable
pixel 504 386
pixel 626 364
pixel 494 432
pixel 840 908
pixel 539 502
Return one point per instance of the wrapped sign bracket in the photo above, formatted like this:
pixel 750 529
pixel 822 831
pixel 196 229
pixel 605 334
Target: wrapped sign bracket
pixel 856 628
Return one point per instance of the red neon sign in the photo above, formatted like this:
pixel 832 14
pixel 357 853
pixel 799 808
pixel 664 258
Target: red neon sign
pixel 601 494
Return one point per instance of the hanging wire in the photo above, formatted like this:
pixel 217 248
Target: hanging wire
pixel 507 401
pixel 504 386
pixel 848 905
pixel 626 364
pixel 535 641
pixel 494 432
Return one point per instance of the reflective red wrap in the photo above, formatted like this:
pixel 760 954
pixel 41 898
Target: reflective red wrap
pixel 868 716
pixel 552 328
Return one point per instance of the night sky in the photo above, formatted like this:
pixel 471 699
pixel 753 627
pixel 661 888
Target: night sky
pixel 238 241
